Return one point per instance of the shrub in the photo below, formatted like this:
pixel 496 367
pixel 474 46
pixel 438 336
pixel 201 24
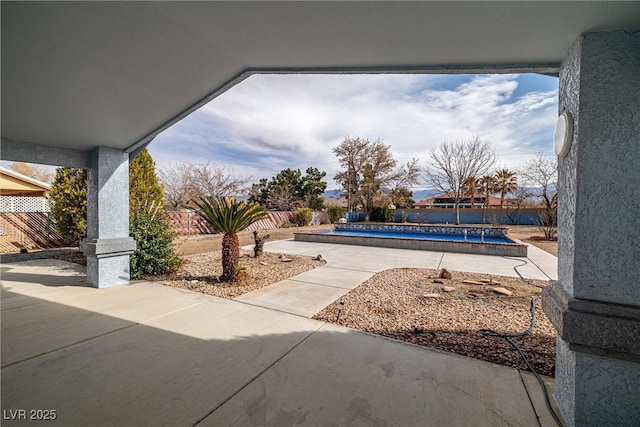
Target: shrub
pixel 383 214
pixel 154 252
pixel 547 223
pixel 335 213
pixel 403 217
pixel 285 224
pixel 302 217
pixel 69 204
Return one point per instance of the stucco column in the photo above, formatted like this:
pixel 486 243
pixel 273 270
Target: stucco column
pixel 108 244
pixel 595 304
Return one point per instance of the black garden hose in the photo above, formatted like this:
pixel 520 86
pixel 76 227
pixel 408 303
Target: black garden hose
pixel 492 333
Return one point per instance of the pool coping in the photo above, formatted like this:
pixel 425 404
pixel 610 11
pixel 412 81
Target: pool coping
pixel 519 249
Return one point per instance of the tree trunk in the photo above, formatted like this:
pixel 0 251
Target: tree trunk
pixel 259 244
pixel 457 213
pixel 230 257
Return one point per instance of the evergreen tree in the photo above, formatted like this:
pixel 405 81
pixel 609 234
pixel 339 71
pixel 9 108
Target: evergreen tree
pixel 148 222
pixel 290 189
pixel 69 208
pixel 144 186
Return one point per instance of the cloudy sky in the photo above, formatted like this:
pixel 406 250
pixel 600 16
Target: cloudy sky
pixel 272 122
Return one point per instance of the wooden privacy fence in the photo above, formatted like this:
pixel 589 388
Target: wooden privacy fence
pixel 31 230
pixel 187 222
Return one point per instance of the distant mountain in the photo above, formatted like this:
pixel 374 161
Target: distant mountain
pixel 424 194
pixel 417 194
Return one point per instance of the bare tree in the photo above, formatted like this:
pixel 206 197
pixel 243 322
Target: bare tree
pixel 184 182
pixel 520 197
pixel 407 175
pixel 541 173
pixel 371 172
pixel 352 154
pixel 31 171
pixel 282 199
pixel 453 163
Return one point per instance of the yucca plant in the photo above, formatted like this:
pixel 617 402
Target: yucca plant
pixel 227 215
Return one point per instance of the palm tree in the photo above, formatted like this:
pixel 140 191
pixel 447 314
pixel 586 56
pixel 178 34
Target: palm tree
pixel 487 184
pixel 228 216
pixel 471 186
pixel 506 182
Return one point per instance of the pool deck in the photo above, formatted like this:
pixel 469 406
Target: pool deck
pixel 147 354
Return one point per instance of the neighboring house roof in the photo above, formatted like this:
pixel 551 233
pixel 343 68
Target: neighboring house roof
pixel 445 198
pixel 15 184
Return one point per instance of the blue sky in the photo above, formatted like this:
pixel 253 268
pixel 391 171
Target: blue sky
pixel 271 122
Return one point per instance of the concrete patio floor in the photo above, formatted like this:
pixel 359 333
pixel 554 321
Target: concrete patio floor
pixel 147 354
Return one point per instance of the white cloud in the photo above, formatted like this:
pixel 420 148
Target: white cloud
pixel 271 122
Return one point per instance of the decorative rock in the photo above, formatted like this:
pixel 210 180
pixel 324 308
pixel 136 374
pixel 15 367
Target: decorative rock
pixel 472 282
pixel 438 281
pixel 445 274
pixel 449 289
pixel 502 291
pixel 285 260
pixel 431 296
pixel 318 258
pixel 263 263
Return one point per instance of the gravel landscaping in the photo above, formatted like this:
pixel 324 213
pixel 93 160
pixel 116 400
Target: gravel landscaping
pixel 407 304
pixel 200 272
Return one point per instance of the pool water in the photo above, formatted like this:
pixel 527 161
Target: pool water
pixel 419 236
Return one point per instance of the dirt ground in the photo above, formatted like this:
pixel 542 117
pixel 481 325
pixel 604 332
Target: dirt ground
pixel 530 234
pixel 189 245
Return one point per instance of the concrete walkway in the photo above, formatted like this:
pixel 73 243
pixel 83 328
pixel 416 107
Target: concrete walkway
pixel 147 354
pixel 347 266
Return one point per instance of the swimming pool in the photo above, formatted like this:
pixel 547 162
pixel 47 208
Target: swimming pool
pixel 463 239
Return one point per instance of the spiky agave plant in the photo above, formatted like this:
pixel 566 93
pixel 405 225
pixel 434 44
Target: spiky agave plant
pixel 227 215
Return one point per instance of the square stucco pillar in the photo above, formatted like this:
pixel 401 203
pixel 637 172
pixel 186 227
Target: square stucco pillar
pixel 595 304
pixel 108 244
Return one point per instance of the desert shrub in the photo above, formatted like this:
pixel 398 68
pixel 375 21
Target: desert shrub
pixel 301 217
pixel 154 252
pixel 383 214
pixel 285 224
pixel 335 213
pixel 320 218
pixel 547 223
pixel 402 218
